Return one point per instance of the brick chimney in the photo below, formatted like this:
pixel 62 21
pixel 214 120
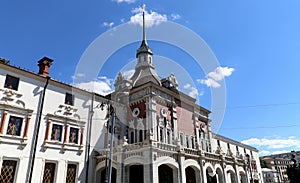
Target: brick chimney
pixel 44 65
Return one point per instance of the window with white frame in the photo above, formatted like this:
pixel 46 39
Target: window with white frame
pixel 11 82
pixel 192 142
pixel 49 172
pixel 8 171
pixel 63 133
pixel 69 99
pixel 14 126
pixel 71 173
pixel 187 141
pixel 74 135
pixel 56 132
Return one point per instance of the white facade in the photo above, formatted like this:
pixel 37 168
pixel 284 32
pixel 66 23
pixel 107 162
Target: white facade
pixel 270 175
pixel 23 105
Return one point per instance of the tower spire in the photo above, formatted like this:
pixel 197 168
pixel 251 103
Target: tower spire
pixel 144 48
pixel 144 29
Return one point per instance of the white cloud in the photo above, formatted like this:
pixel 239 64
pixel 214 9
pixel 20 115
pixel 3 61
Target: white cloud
pixel 213 77
pixel 209 82
pixel 108 24
pixel 175 16
pixel 264 152
pixel 152 18
pixel 220 73
pixel 276 143
pixel 280 152
pixel 193 92
pixel 103 85
pixel 124 1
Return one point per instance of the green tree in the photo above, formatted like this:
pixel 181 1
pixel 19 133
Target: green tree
pixel 293 172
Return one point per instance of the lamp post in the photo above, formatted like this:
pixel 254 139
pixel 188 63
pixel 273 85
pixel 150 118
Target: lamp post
pixel 249 166
pixel 112 116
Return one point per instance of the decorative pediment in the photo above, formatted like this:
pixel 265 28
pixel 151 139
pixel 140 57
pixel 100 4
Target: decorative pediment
pixel 67 111
pixel 12 97
pixel 131 124
pixel 140 125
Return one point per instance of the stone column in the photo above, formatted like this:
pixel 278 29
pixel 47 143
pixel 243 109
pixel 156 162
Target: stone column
pixel 47 130
pixel 202 171
pixel 174 118
pixel 151 123
pixel 223 164
pixel 181 170
pixel 237 172
pixel 3 122
pixel 26 127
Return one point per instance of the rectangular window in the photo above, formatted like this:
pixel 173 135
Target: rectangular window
pixel 161 135
pixel 187 141
pixel 73 136
pixel 49 173
pixel 141 135
pixel 14 126
pixel 193 145
pixel 11 82
pixel 71 173
pixel 56 132
pixel 8 171
pixel 69 99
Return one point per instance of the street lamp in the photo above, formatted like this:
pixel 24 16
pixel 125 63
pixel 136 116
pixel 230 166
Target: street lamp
pixel 112 116
pixel 249 166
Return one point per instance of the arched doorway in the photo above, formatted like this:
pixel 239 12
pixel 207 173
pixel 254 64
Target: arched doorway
pixel 165 174
pixel 136 174
pixel 231 176
pixel 113 175
pixel 190 175
pixel 211 178
pixel 243 177
pixel 219 175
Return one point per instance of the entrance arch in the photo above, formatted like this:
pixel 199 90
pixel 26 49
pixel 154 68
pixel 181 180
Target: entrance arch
pixel 243 177
pixel 190 175
pixel 219 175
pixel 165 174
pixel 136 174
pixel 101 174
pixel 231 177
pixel 210 176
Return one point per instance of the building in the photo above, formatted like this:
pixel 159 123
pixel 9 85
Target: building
pixel 166 136
pixel 280 163
pixel 270 175
pixel 54 132
pixel 62 112
pixel 288 155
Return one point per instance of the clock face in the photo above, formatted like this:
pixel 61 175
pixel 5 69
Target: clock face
pixel 135 112
pixel 164 112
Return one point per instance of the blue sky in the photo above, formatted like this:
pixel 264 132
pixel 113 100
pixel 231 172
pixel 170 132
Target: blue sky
pixel 256 43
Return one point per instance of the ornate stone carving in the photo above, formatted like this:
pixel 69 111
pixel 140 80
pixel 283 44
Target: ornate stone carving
pixel 12 97
pixel 67 111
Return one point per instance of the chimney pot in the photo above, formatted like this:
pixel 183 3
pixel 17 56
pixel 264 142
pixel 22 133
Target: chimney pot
pixel 44 65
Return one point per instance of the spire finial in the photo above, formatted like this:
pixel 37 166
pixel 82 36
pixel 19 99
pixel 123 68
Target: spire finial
pixel 144 31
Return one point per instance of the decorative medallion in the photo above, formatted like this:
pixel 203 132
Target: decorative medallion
pixel 164 112
pixel 135 112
